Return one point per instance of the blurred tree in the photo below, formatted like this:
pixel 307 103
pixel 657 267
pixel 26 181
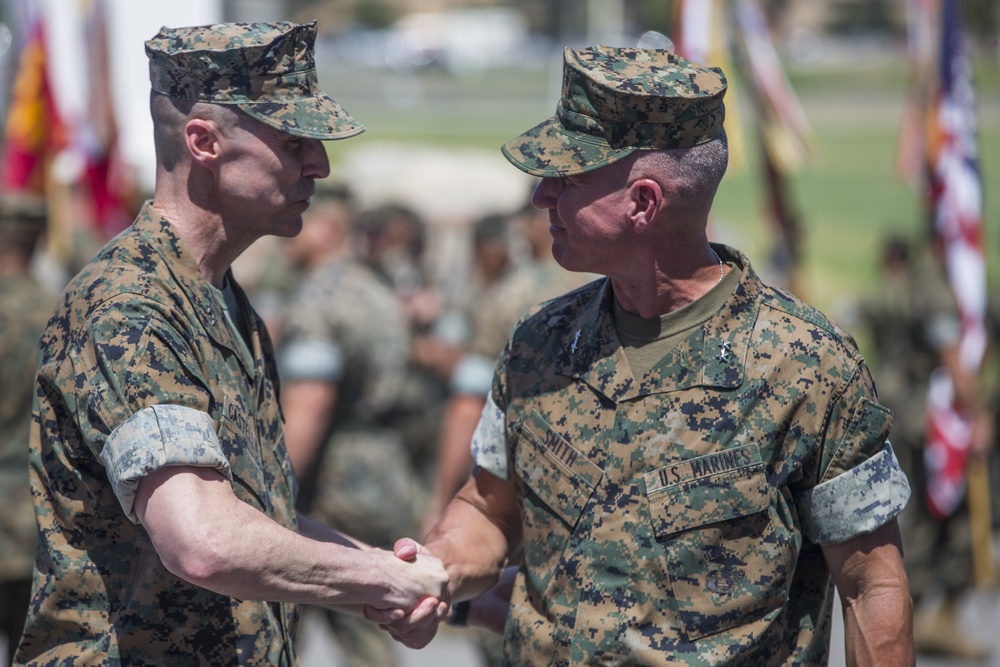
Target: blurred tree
pixel 654 15
pixel 867 16
pixel 375 13
pixel 982 18
pixel 334 14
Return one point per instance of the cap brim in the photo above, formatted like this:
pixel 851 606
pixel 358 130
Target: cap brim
pixel 549 150
pixel 316 117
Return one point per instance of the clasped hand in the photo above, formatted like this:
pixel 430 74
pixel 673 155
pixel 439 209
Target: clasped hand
pixel 416 627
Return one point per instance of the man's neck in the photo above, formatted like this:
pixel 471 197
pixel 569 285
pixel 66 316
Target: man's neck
pixel 204 236
pixel 666 286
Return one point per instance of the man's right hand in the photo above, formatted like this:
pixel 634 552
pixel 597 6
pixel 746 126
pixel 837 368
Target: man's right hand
pixel 408 581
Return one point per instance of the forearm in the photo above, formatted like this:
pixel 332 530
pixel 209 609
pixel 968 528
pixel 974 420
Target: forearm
pixel 473 543
pixel 878 627
pixel 252 557
pixel 878 612
pixel 207 536
pixel 315 530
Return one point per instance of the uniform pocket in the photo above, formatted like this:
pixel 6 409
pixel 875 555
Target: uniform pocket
pixel 558 481
pixel 726 563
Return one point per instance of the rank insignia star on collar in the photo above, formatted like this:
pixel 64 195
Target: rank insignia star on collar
pixel 725 350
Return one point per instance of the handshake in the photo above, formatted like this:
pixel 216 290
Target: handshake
pixel 423 594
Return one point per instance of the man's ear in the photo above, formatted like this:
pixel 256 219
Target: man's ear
pixel 202 140
pixel 645 199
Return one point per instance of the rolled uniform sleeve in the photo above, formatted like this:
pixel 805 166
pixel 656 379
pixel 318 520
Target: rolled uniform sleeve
pixel 158 437
pixel 863 486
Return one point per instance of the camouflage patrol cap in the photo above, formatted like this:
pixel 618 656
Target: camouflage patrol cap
pixel 266 69
pixel 618 100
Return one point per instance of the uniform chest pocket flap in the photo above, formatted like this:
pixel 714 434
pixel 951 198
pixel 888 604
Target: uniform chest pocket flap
pixel 556 473
pixel 726 563
pixel 708 489
pixel 558 481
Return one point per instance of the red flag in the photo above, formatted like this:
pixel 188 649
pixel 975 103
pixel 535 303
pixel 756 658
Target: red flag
pixel 34 132
pixel 956 202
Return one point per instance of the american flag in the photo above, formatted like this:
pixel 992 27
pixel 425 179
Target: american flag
pixel 955 198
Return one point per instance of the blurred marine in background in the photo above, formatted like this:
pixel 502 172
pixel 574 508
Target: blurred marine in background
pixel 25 305
pixel 912 322
pixel 344 354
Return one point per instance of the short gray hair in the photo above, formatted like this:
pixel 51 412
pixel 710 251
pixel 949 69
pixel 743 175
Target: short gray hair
pixel 693 174
pixel 171 114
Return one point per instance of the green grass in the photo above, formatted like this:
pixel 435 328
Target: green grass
pixel 849 198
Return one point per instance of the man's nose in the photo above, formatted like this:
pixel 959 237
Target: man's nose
pixel 317 162
pixel 545 193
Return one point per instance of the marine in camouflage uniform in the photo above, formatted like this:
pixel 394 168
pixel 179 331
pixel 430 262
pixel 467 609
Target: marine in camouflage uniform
pixel 687 457
pixel 25 305
pixel 913 324
pixel 145 337
pixel 345 334
pixel 162 488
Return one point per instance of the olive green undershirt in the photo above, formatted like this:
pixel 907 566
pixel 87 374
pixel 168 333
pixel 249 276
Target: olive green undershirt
pixel 647 340
pixel 233 310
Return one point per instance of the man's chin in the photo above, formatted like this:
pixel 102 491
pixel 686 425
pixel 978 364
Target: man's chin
pixel 289 229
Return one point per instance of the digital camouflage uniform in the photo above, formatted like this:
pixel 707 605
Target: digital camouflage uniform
pixel 346 327
pixel 139 343
pixel 677 518
pixel 143 366
pixel 24 307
